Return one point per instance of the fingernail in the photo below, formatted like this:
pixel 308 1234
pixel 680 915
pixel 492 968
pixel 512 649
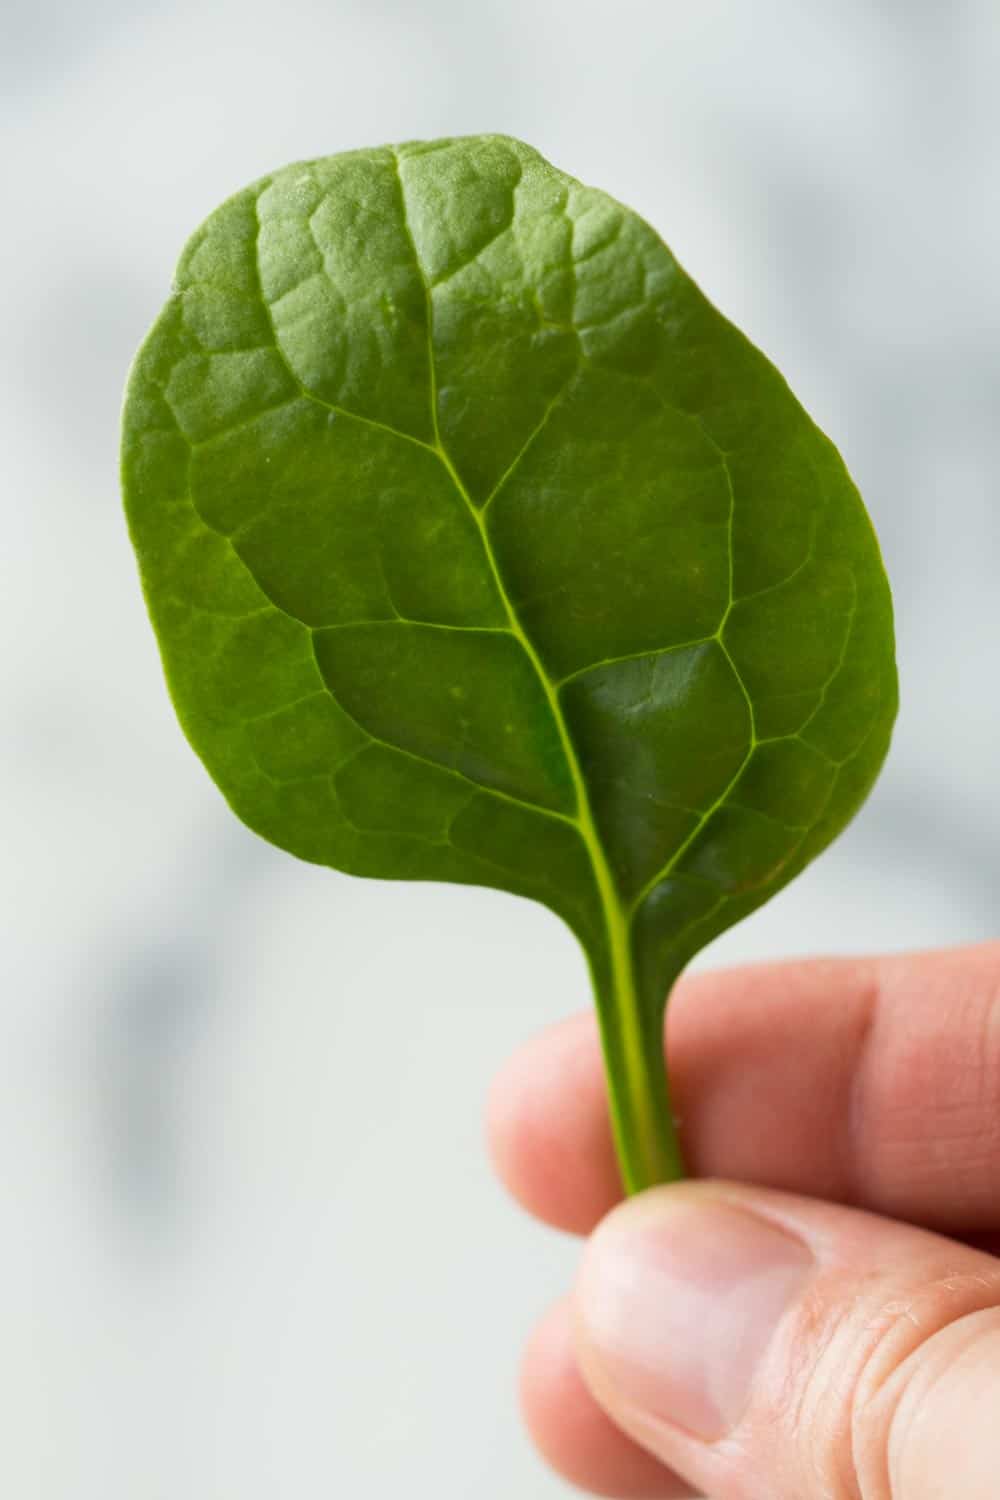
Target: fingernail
pixel 678 1299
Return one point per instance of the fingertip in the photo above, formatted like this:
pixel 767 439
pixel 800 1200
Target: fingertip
pixel 547 1127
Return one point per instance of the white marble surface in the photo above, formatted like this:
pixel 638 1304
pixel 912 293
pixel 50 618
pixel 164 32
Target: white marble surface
pixel 250 1245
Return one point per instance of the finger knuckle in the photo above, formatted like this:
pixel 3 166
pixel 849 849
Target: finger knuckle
pixel 905 1336
pixel 850 1369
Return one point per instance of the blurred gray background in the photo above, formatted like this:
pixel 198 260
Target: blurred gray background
pixel 250 1244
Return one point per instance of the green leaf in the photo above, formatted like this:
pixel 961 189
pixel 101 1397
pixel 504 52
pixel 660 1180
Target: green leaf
pixel 480 547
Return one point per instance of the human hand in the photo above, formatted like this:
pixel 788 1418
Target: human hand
pixel 783 1331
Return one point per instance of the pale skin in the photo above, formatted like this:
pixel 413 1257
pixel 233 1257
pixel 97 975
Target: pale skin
pixel 854 1355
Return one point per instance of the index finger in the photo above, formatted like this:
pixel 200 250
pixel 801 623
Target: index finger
pixel 873 1082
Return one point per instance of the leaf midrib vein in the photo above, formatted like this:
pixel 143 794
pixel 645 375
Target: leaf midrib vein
pixel 546 682
pixel 618 927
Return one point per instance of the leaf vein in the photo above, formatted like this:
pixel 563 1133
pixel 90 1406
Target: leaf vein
pixel 617 927
pixel 308 395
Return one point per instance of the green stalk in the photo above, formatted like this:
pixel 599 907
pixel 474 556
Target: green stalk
pixel 642 1122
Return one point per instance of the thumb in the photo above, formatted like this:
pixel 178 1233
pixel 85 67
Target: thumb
pixel 768 1347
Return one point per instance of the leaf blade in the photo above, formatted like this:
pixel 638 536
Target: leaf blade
pixel 480 547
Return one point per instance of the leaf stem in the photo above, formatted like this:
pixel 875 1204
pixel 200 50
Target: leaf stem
pixel 642 1122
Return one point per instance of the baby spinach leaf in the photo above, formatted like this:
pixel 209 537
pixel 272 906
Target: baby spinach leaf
pixel 481 547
